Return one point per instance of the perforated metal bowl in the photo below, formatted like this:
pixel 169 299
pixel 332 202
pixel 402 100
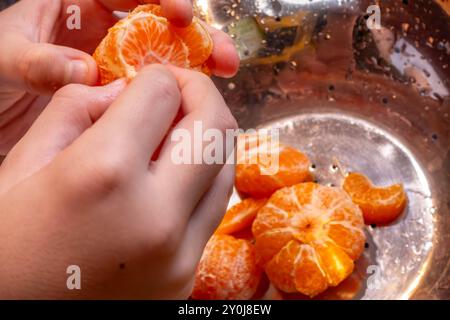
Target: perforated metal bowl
pixel 356 98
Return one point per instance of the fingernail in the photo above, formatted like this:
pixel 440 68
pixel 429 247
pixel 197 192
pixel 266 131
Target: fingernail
pixel 78 71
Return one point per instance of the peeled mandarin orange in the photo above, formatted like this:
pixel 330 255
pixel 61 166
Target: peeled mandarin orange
pixel 227 270
pixel 255 174
pixel 240 216
pixel 307 237
pixel 379 205
pixel 145 37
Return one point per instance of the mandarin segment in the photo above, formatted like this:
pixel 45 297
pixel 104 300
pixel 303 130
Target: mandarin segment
pixel 264 166
pixel 149 8
pixel 348 237
pixel 270 218
pixel 145 37
pixel 335 263
pixel 380 205
pixel 198 40
pixel 240 216
pixel 270 242
pixel 149 41
pixel 281 269
pixel 308 230
pixel 227 270
pixel 310 279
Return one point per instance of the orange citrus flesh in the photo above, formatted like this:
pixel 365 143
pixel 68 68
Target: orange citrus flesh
pixel 346 290
pixel 240 216
pixel 308 237
pixel 227 270
pixel 245 233
pixel 253 161
pixel 379 205
pixel 145 37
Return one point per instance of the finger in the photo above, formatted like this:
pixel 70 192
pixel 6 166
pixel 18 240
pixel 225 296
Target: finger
pixel 179 12
pixel 208 214
pixel 195 231
pixel 205 112
pixel 16 120
pixel 71 111
pixel 224 60
pixel 139 119
pixel 123 5
pixel 44 68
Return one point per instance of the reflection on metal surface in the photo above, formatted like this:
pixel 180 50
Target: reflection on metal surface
pixel 355 99
pixel 346 138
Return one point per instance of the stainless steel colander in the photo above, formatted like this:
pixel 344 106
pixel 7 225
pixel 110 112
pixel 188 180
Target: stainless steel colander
pixel 357 96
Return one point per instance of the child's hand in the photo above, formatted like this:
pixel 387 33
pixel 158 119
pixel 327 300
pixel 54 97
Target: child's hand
pixel 78 189
pixel 39 54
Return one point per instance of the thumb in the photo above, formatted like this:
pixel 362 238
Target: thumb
pixel 72 110
pixel 44 68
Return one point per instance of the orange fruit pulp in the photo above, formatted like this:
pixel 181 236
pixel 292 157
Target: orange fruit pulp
pixel 379 205
pixel 146 37
pixel 308 237
pixel 230 247
pixel 346 290
pixel 252 175
pixel 240 216
pixel 227 270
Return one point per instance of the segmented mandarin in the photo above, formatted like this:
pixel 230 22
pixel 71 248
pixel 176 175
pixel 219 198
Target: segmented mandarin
pixel 264 166
pixel 227 270
pixel 145 37
pixel 307 237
